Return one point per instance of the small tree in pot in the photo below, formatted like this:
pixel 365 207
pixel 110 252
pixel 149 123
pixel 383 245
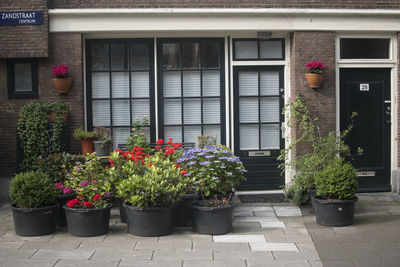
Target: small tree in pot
pixel 103 143
pixel 34 208
pixel 86 138
pixel 217 171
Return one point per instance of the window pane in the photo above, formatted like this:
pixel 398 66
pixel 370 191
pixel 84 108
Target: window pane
pixel 140 56
pixel 269 83
pixel 100 85
pixel 191 83
pixel 192 111
pixel 213 130
pixel 246 50
pixel 249 137
pixel 248 108
pixel 120 84
pixel 101 113
pixel 119 57
pixel 248 83
pixel 269 109
pixel 210 55
pixel 270 136
pixel 364 48
pixel 172 111
pixel 120 110
pixel 174 132
pixel 211 83
pixel 191 133
pixel 119 136
pixel 211 111
pixel 172 83
pixel 100 57
pixel 23 77
pixel 190 56
pixel 140 84
pixel 171 56
pixel 271 49
pixel 140 108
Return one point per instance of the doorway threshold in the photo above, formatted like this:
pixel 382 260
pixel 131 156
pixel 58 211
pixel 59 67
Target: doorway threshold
pixel 262 196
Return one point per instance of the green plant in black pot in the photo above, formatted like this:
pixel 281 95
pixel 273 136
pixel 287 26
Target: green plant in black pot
pixel 138 136
pixel 103 144
pixel 33 195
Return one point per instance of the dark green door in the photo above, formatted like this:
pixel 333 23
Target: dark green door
pixel 367 92
pixel 258 101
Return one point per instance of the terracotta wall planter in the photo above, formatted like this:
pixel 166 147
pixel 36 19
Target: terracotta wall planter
pixel 62 85
pixel 314 80
pixel 52 116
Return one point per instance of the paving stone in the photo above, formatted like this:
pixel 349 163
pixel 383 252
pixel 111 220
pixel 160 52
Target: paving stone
pixel 306 246
pixel 259 263
pixel 161 263
pixel 75 254
pixel 126 245
pixel 221 246
pixel 258 209
pixel 301 255
pixel 121 255
pixel 247 228
pixel 63 236
pixel 215 263
pixel 231 238
pixel 62 244
pixel 243 213
pixel 273 247
pixel 180 244
pixel 26 262
pixel 337 263
pixel 315 263
pixel 267 214
pixel 183 255
pixel 283 238
pixel 272 224
pixel 11 245
pixel 12 237
pixel 256 219
pixel 86 263
pixel 17 253
pixel 245 255
pixel 296 231
pixel 345 230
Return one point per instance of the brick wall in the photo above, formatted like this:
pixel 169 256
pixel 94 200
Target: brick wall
pixel 65 48
pixel 314 46
pixel 384 4
pixel 25 40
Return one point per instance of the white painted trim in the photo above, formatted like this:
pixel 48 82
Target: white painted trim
pixel 85 121
pixel 227 117
pixel 214 20
pixel 155 86
pixel 232 113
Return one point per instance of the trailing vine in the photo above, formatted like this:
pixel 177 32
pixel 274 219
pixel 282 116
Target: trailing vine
pixel 33 131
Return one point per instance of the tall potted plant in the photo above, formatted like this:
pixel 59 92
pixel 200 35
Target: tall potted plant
pixel 34 207
pixel 87 138
pixel 217 171
pixel 315 77
pixel 103 143
pixel 61 82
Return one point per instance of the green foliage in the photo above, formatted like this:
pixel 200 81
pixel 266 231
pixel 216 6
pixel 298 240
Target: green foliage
pixel 33 131
pixel 338 180
pixel 324 151
pixel 216 171
pixel 206 140
pixel 160 186
pixel 80 133
pixel 103 135
pixel 32 190
pixel 138 136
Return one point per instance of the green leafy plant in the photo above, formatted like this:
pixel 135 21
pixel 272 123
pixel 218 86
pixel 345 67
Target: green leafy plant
pixel 337 180
pixel 216 171
pixel 103 135
pixel 80 133
pixel 34 132
pixel 206 140
pixel 138 136
pixel 161 185
pixel 32 190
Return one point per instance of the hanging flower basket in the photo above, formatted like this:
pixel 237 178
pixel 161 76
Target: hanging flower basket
pixel 61 82
pixel 316 75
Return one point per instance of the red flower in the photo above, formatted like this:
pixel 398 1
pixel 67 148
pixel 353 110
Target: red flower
pixel 107 167
pixel 88 204
pixel 178 166
pixel 170 139
pixel 160 142
pixel 170 152
pixel 151 164
pixel 183 172
pixel 97 197
pixel 79 196
pixel 71 203
pixel 157 147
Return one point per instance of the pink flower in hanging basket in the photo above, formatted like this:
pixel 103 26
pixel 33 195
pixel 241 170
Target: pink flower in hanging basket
pixel 60 71
pixel 316 66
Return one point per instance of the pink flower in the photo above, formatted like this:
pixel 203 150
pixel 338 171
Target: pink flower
pixel 67 190
pixel 60 71
pixel 316 66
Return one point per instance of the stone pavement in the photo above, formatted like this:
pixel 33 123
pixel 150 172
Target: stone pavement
pixel 373 239
pixel 264 235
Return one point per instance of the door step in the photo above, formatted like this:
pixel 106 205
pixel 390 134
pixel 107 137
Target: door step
pixel 271 196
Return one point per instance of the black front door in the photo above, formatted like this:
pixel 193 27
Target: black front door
pixel 258 101
pixel 367 92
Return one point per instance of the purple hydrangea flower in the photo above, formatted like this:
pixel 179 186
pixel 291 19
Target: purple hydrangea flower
pixel 205 163
pixel 191 163
pixel 222 167
pixel 67 190
pixel 84 183
pixel 107 194
pixel 78 169
pixel 94 182
pixel 187 174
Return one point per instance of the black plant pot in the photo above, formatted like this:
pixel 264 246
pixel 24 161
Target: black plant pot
pixel 104 150
pixel 88 222
pixel 35 221
pixel 122 213
pixel 150 221
pixel 183 212
pixel 61 200
pixel 212 220
pixel 312 193
pixel 334 212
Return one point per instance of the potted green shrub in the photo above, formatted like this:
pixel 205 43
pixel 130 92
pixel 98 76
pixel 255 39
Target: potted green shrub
pixel 86 138
pixel 151 197
pixel 89 213
pixel 138 136
pixel 217 171
pixel 336 185
pixel 34 208
pixel 103 143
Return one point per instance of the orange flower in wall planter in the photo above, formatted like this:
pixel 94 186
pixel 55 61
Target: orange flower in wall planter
pixel 61 82
pixel 315 77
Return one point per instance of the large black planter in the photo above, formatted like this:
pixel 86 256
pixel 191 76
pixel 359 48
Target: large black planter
pixel 212 220
pixel 88 222
pixel 312 193
pixel 61 200
pixel 183 212
pixel 334 213
pixel 35 221
pixel 102 151
pixel 122 213
pixel 150 221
